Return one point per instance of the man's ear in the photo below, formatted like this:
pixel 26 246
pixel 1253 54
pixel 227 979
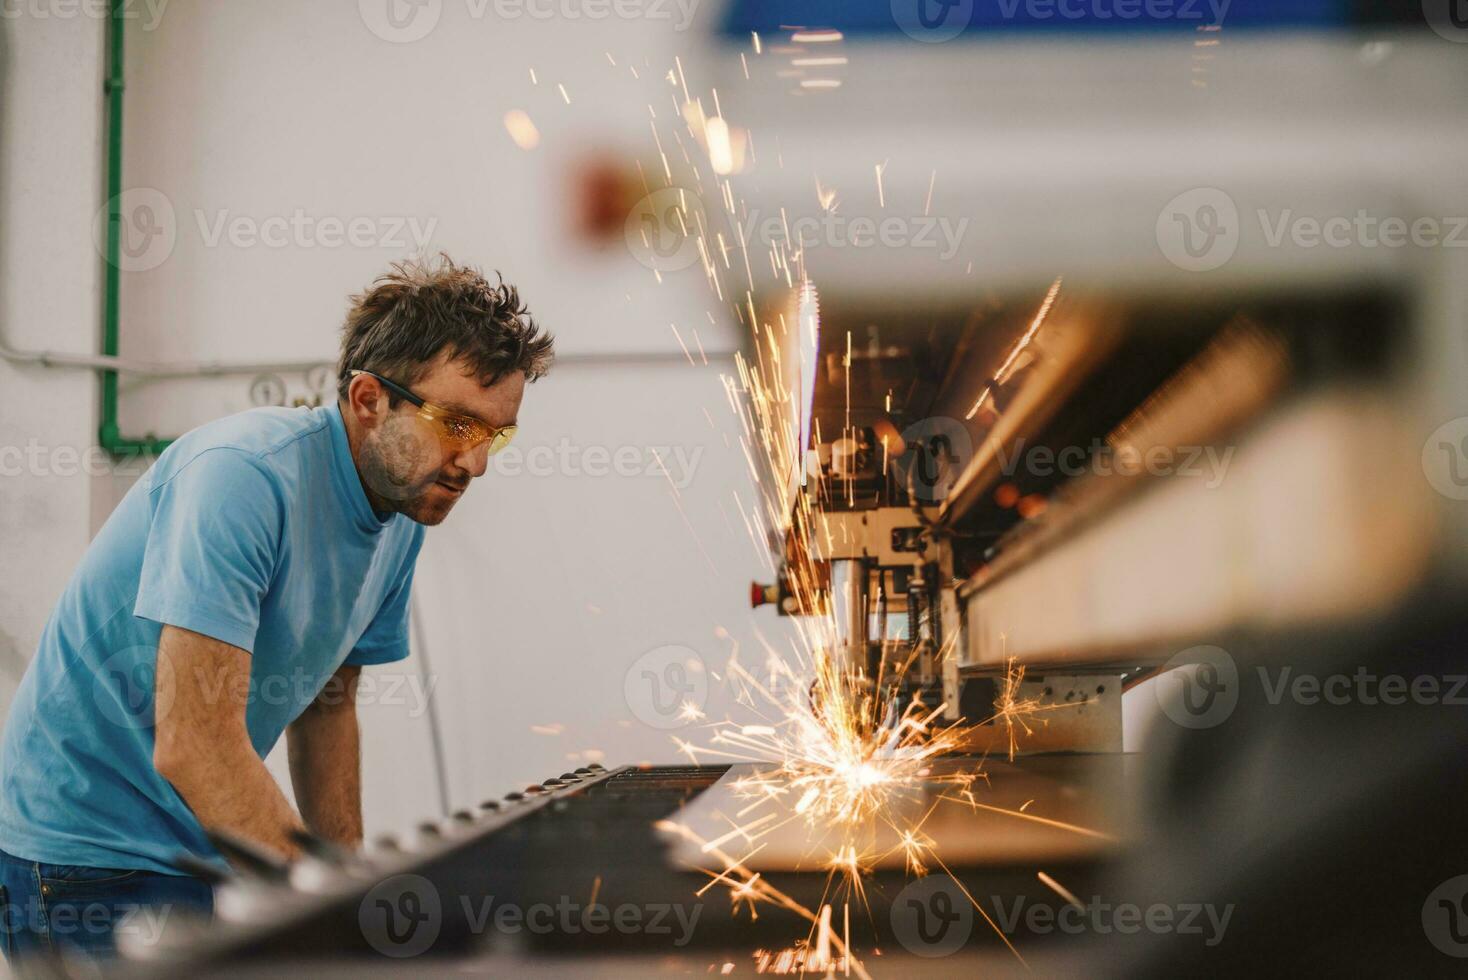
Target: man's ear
pixel 366 400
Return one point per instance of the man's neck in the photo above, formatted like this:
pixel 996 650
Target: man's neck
pixel 355 438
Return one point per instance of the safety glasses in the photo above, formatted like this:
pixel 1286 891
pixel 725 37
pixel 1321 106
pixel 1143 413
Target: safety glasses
pixel 459 433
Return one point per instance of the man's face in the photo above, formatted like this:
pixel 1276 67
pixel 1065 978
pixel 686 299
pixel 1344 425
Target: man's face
pixel 405 463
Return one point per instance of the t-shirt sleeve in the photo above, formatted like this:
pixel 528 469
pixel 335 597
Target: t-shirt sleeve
pixel 386 638
pixel 212 547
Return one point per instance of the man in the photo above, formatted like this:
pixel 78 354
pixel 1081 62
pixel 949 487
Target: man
pixel 237 592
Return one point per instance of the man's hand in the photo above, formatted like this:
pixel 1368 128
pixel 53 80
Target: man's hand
pixel 326 767
pixel 201 744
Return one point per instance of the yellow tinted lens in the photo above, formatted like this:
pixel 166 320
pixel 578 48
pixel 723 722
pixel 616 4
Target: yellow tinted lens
pixel 501 439
pixel 458 431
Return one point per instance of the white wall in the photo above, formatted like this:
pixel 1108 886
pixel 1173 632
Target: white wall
pixel 51 185
pixel 252 111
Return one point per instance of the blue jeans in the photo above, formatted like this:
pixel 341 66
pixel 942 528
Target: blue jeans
pixel 50 908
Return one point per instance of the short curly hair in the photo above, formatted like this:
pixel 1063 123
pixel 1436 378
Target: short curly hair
pixel 419 310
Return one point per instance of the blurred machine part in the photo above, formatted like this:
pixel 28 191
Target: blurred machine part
pixel 1218 454
pixel 1089 484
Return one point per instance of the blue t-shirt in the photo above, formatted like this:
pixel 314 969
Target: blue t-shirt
pixel 254 530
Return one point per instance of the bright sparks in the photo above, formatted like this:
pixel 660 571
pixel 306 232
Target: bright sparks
pixel 835 749
pixel 1002 375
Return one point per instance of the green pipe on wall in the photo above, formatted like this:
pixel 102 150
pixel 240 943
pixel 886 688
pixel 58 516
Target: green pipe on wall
pixel 109 435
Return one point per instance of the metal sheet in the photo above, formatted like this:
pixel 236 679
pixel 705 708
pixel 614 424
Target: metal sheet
pixel 1038 809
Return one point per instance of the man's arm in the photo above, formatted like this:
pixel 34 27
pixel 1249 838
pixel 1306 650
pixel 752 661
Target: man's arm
pixel 201 744
pixel 326 761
